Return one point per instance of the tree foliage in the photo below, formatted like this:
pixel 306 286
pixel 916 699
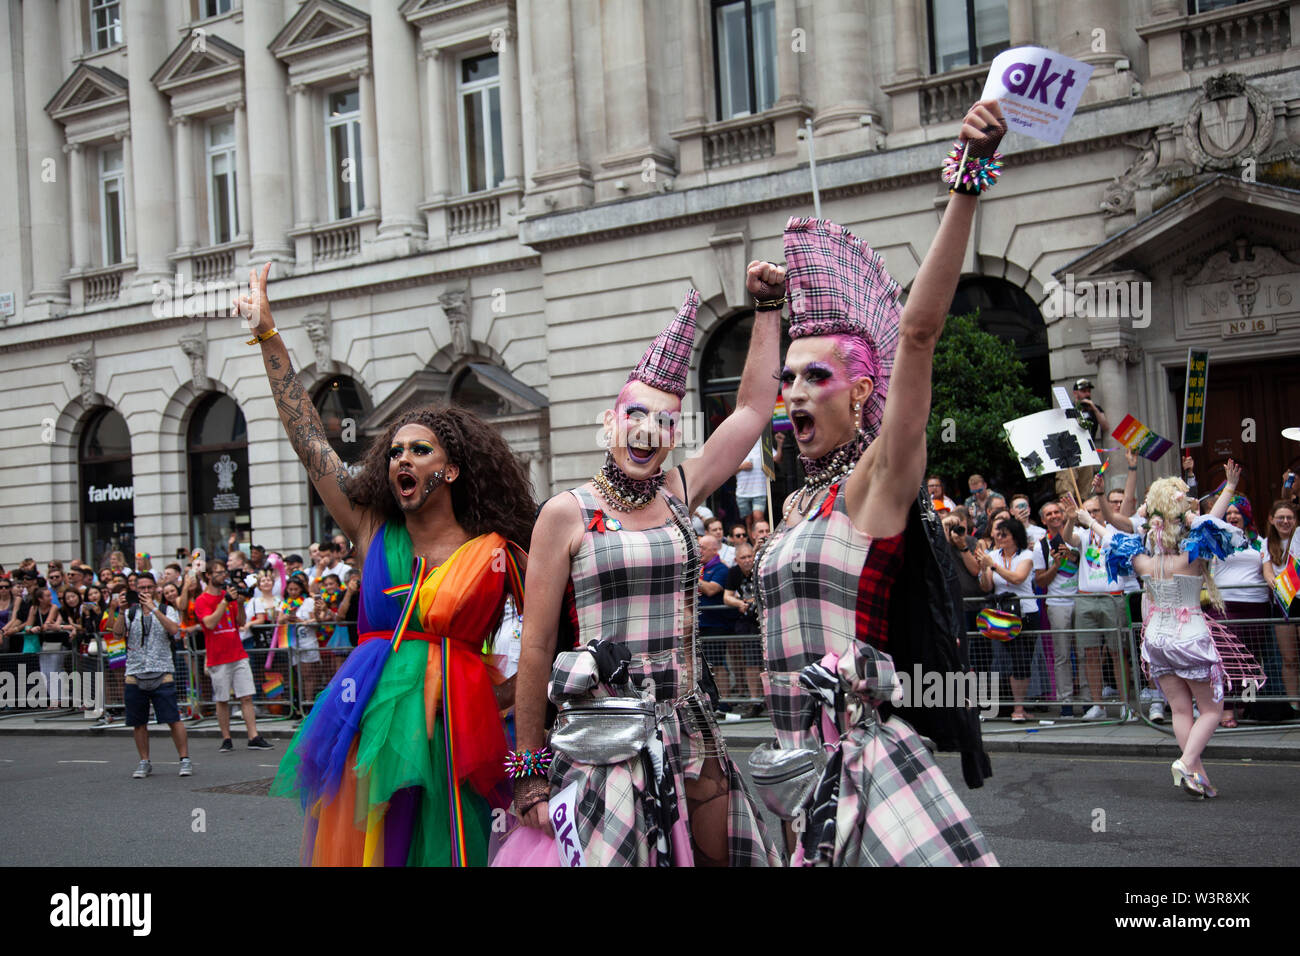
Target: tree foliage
pixel 977 384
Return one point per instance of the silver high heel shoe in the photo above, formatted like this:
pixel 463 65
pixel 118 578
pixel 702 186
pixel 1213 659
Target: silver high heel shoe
pixel 1204 784
pixel 1186 779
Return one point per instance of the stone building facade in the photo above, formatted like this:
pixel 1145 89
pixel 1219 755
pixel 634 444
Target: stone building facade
pixel 498 202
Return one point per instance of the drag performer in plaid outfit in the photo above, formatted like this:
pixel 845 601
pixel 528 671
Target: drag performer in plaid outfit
pixel 623 549
pixel 825 573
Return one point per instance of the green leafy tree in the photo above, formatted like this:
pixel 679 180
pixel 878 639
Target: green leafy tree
pixel 978 383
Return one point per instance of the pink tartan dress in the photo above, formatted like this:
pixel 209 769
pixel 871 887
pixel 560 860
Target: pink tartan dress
pixel 882 800
pixel 638 588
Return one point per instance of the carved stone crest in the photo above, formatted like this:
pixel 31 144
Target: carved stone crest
pixel 83 363
pixel 318 330
pixel 195 348
pixel 1242 266
pixel 453 305
pixel 1230 121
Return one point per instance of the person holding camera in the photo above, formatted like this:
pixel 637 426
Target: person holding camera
pixel 149 628
pixel 220 611
pixel 1093 420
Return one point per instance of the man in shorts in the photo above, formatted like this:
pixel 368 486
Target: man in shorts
pixel 221 614
pixel 149 629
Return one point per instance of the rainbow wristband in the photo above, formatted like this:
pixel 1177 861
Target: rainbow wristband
pixel 529 763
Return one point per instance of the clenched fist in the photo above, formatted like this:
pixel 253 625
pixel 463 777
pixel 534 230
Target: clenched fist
pixel 765 280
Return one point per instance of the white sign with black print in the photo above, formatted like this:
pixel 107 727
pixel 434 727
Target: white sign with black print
pixel 1051 441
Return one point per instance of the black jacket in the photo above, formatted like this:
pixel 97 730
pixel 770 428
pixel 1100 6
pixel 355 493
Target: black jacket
pixel 927 627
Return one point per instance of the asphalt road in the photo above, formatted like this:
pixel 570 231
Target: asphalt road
pixel 72 802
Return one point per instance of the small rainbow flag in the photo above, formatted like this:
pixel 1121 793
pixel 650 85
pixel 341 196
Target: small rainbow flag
pixel 1135 436
pixel 1287 584
pixel 781 420
pixel 1104 466
pixel 997 625
pixel 115 648
pixel 273 686
pixel 279 640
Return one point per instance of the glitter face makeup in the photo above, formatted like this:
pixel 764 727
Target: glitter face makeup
pixel 642 429
pixel 817 391
pixel 415 466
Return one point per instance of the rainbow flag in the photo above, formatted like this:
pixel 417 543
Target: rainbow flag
pixel 997 625
pixel 273 686
pixel 1135 436
pixel 115 648
pixel 780 420
pixel 1287 584
pixel 1104 466
pixel 279 642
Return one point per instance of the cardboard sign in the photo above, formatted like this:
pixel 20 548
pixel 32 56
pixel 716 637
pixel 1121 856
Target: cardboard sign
pixel 1038 89
pixel 1198 374
pixel 1135 436
pixel 1050 441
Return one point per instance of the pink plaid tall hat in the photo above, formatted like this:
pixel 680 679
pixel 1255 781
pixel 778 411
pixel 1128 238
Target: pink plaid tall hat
pixel 838 286
pixel 666 362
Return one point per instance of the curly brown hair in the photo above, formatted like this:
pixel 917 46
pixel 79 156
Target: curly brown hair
pixel 492 491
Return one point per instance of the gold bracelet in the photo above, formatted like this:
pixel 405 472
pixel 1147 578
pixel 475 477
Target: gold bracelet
pixel 263 336
pixel 768 305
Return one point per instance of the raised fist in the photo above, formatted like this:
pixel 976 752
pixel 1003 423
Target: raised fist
pixel 984 128
pixel 765 280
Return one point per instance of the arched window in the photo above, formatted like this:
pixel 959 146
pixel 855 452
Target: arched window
pixel 107 489
pixel 720 369
pixel 1007 311
pixel 218 458
pixel 341 405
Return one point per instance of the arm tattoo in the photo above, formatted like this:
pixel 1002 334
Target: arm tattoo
pixel 307 435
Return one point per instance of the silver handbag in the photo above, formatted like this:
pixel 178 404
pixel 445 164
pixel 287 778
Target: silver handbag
pixel 608 730
pixel 785 779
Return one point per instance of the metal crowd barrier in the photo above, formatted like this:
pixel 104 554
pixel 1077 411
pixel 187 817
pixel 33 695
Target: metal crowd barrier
pixel 1265 707
pixel 46 684
pixel 736 661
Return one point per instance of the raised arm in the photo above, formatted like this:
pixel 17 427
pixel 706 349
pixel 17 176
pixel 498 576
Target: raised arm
pixel 1225 496
pixel 731 441
pixel 896 460
pixel 299 416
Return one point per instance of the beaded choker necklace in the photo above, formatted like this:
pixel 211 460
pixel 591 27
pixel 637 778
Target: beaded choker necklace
pixel 623 493
pixel 829 468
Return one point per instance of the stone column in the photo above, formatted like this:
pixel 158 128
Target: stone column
pixel 128 194
pixel 1112 376
pixel 186 194
pixel 397 90
pixel 906 64
pixel 561 176
pixel 243 190
pixel 788 90
pixel 303 159
pixel 508 60
pixel 524 13
pixel 269 183
pixel 154 201
pixel 694 112
pixel 77 200
pixel 47 192
pixel 1020 14
pixel 436 116
pixel 839 47
pixel 371 178
pixel 627 95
